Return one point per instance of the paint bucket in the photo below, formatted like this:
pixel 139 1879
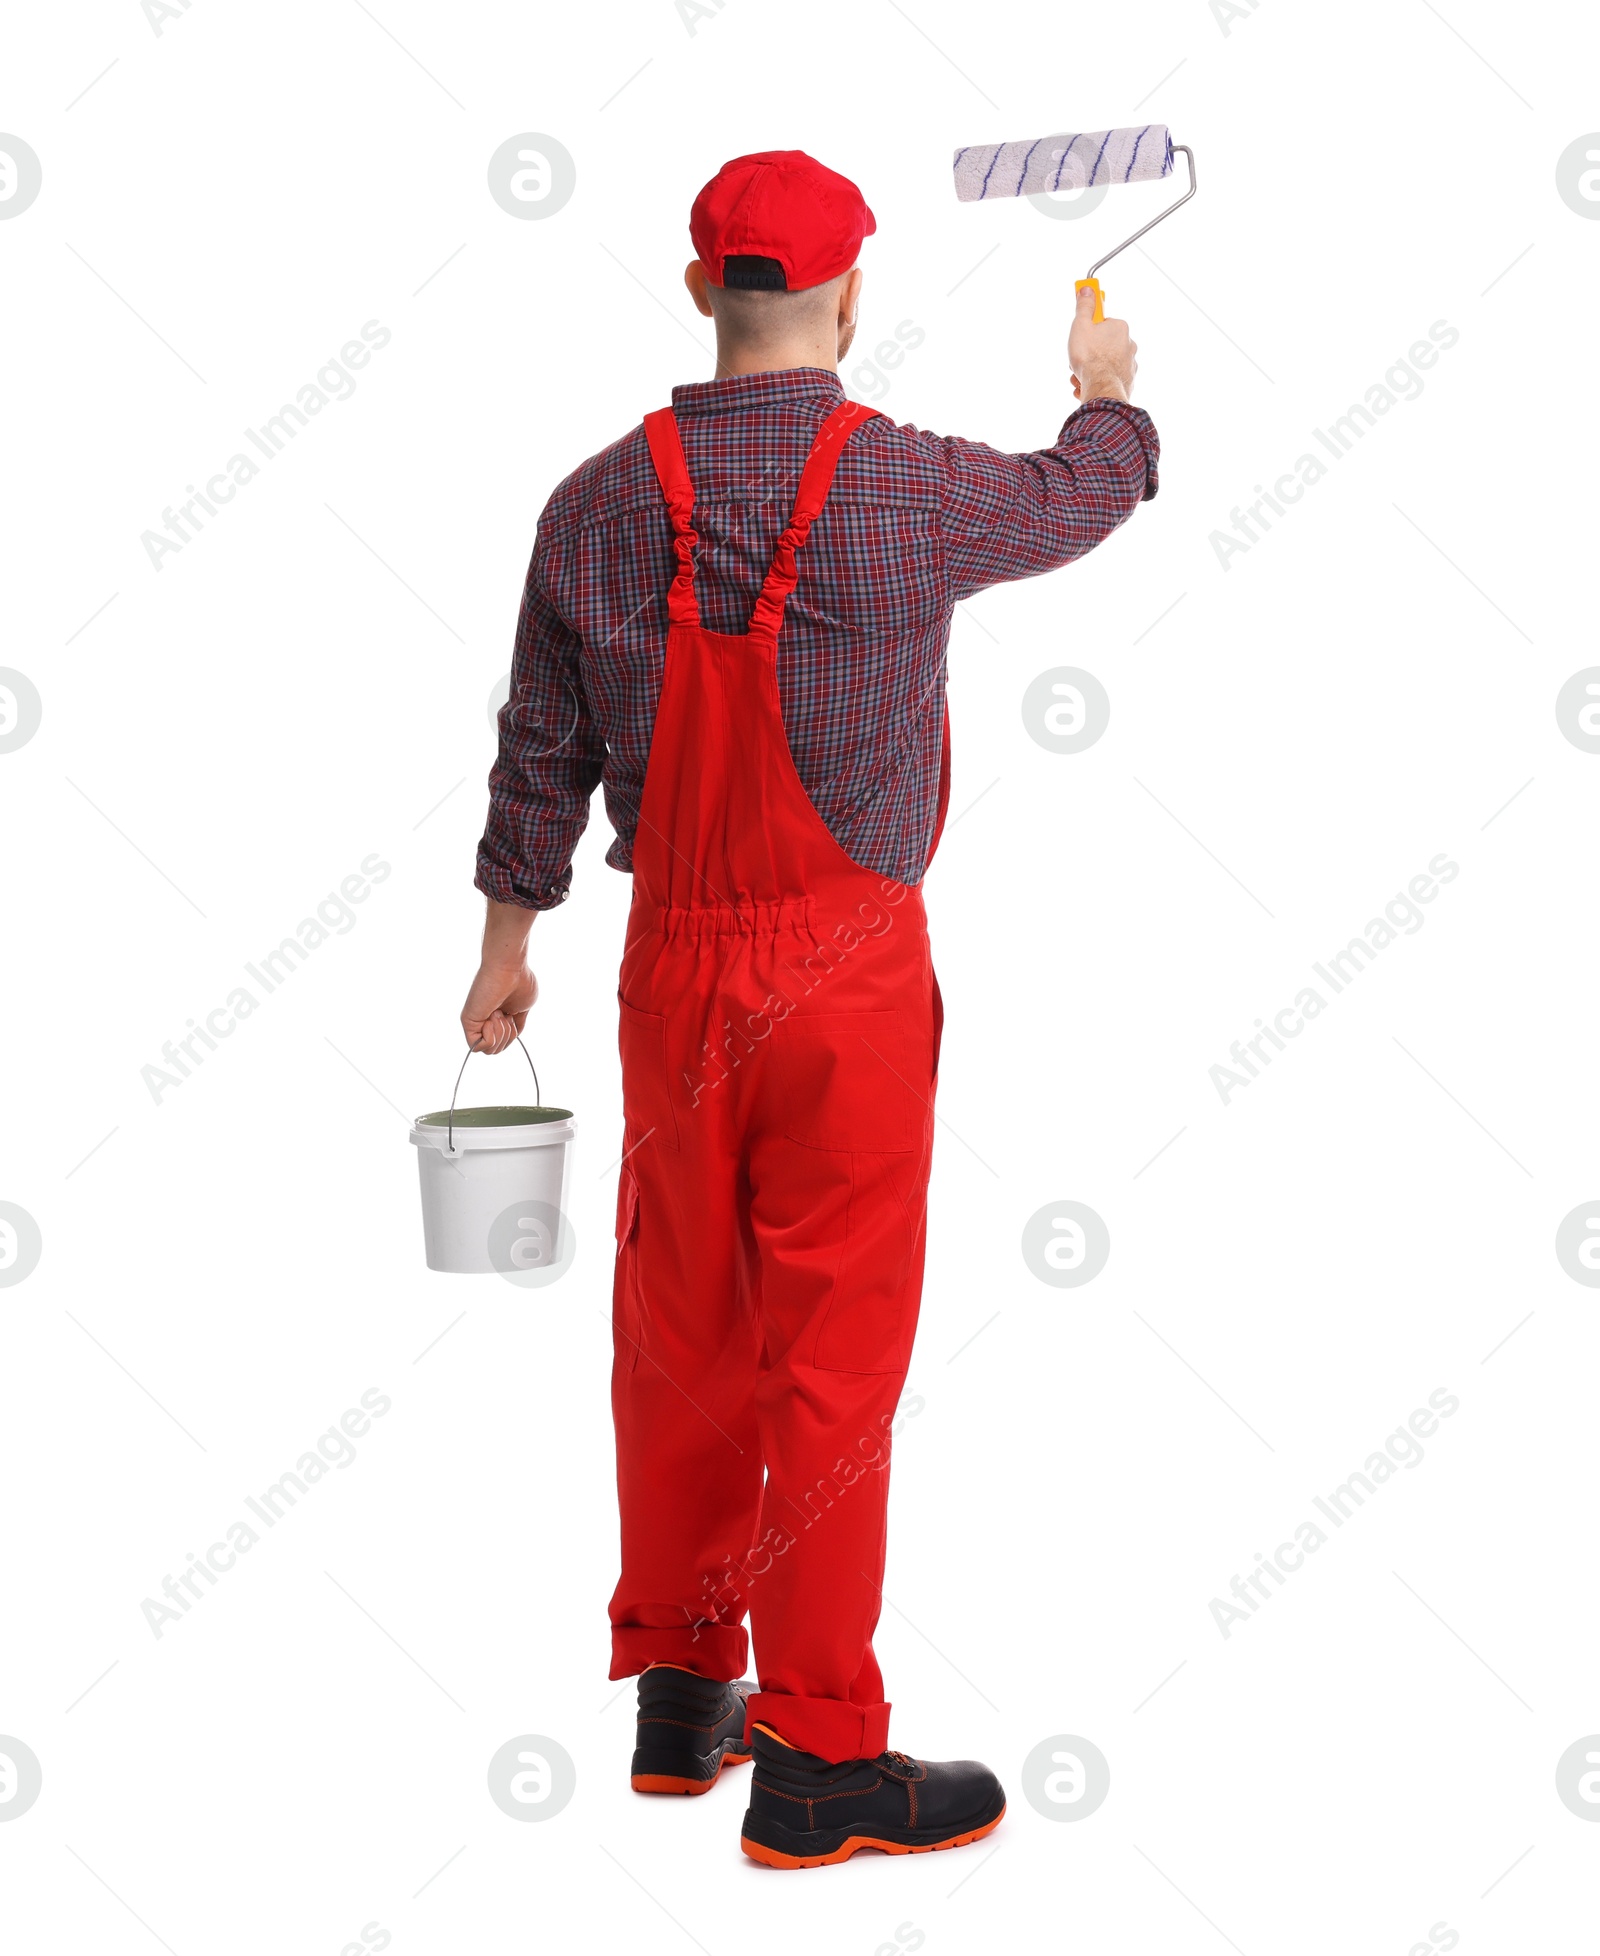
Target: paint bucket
pixel 493 1183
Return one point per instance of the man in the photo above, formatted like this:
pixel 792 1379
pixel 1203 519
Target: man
pixel 736 619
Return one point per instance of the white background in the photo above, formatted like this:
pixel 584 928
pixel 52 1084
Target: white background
pixel 306 683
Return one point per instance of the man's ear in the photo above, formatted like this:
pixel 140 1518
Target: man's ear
pixel 849 300
pixel 694 276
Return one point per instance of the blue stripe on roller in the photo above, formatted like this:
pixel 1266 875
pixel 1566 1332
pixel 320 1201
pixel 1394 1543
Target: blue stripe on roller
pixel 1063 163
pixel 1127 173
pixel 1096 170
pixel 1166 161
pixel 1025 162
pixel 993 160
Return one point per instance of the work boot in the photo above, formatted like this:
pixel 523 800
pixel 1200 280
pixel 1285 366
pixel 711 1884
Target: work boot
pixel 805 1813
pixel 690 1727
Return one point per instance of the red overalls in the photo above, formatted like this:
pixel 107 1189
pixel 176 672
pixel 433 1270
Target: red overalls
pixel 780 1035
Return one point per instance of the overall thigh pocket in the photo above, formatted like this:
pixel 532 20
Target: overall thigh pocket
pixel 627 1326
pixel 847 1080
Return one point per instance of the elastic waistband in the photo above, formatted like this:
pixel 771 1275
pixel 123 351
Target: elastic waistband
pixel 724 920
pixel 866 912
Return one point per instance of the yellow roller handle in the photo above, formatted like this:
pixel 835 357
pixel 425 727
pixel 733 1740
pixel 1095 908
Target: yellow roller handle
pixel 1093 284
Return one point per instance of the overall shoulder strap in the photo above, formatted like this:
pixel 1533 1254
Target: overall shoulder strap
pixel 672 472
pixel 816 479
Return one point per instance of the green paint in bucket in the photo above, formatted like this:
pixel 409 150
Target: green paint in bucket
pixel 495 1116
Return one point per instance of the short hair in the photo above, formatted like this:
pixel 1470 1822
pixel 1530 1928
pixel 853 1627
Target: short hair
pixel 756 318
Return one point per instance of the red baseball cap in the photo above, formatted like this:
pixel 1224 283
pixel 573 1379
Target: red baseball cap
pixel 778 221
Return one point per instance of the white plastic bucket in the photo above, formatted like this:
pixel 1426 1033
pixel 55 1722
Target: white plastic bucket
pixel 493 1188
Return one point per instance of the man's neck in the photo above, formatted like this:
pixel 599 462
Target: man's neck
pixel 735 361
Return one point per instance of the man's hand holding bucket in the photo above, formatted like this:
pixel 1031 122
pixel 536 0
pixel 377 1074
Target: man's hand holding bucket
pixel 504 990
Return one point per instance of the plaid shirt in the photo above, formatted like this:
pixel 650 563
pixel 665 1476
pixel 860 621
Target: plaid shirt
pixel 915 522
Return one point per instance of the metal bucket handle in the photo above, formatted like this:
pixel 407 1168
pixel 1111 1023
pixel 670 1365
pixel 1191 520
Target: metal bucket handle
pixel 538 1092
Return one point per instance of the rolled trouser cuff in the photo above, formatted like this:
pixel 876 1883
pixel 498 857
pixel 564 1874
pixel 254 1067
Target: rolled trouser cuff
pixel 832 1728
pixel 715 1650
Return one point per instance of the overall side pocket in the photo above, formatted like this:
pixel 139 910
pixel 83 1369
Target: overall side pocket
pixel 646 1082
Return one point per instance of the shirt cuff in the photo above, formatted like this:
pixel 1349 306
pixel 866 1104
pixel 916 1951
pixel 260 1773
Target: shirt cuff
pixel 1120 426
pixel 506 886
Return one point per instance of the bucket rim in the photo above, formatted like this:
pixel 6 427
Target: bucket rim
pixel 476 1119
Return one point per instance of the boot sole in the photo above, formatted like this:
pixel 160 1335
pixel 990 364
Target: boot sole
pixel 686 1782
pixel 846 1844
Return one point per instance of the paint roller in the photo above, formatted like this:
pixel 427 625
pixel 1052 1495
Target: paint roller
pixel 1069 161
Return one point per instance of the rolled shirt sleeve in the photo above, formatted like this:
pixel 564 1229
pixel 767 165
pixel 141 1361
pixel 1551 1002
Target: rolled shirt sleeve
pixel 550 760
pixel 1010 516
